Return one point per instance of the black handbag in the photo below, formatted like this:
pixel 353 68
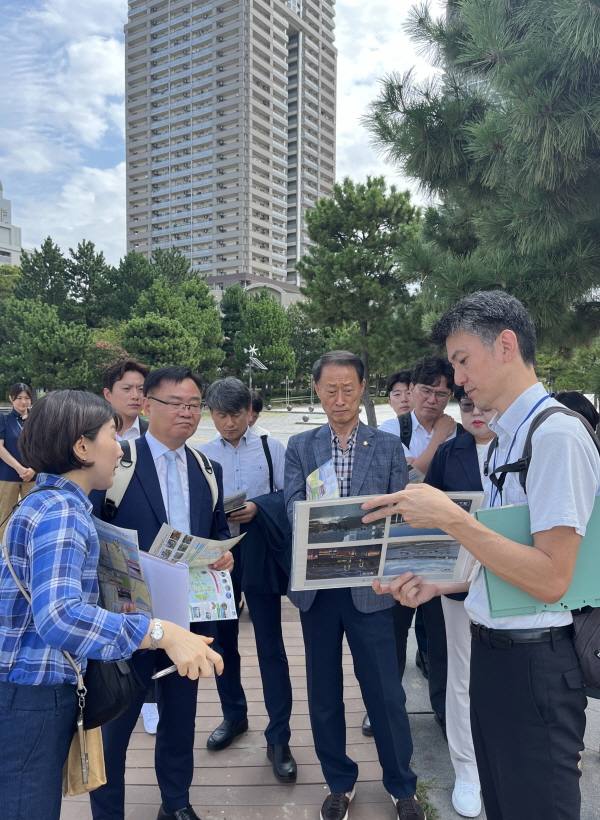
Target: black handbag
pixel 586 625
pixel 110 688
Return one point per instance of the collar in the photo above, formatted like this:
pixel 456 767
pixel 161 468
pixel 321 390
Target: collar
pixel 158 449
pixel 510 420
pixel 226 443
pixel 417 424
pixel 65 484
pixel 351 438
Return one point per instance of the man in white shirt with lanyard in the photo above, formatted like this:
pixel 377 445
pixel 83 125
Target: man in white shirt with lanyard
pixel 527 694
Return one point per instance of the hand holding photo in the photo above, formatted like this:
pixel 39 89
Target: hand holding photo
pixel 421 505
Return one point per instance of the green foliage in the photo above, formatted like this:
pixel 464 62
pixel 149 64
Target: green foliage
pixel 265 326
pixel 45 275
pixel 192 307
pixel 38 348
pixel 9 276
pixel 121 287
pixel 307 342
pixel 352 275
pixel 172 265
pixel 159 341
pixel 233 303
pixel 507 137
pixel 88 272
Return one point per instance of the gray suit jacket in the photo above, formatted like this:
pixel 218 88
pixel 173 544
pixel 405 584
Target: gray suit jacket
pixel 379 467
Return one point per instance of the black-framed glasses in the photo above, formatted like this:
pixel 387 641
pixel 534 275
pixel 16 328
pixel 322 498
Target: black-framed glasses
pixel 466 406
pixel 440 395
pixel 177 406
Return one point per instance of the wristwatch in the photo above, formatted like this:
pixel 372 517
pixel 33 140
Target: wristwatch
pixel 157 633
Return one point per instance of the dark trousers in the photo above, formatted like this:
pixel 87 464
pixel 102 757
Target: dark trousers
pixel 371 640
pixel 37 724
pixel 437 653
pixel 528 720
pixel 265 611
pixel 174 750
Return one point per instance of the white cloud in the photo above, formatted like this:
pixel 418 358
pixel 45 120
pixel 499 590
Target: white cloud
pixel 371 43
pixel 90 205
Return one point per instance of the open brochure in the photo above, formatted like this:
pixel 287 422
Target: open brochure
pixel 121 579
pixel 322 483
pixel 210 591
pixel 234 502
pixel 332 547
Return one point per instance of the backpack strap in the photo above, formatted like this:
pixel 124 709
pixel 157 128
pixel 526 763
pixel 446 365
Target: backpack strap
pixel 405 422
pixel 265 445
pixel 209 473
pixel 123 475
pixel 521 466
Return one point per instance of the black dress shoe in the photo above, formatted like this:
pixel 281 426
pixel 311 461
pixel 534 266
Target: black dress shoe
pixel 366 726
pixel 422 663
pixel 181 814
pixel 224 734
pixel 284 765
pixel 441 723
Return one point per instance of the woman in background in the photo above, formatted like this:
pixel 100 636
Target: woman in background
pixel 15 479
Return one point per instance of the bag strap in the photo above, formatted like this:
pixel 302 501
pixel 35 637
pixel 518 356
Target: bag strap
pixel 521 466
pixel 405 422
pixel 81 690
pixel 123 475
pixel 209 473
pixel 265 445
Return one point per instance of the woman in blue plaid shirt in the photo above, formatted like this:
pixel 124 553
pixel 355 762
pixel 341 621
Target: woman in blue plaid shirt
pixel 71 444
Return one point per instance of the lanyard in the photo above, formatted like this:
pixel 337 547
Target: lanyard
pixel 495 492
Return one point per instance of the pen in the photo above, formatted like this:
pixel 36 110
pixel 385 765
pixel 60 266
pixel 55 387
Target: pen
pixel 164 672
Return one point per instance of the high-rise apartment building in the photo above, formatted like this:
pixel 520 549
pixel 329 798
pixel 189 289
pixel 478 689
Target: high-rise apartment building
pixel 10 235
pixel 230 132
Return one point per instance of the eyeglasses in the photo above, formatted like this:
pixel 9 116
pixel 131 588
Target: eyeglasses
pixel 440 395
pixel 178 407
pixel 466 406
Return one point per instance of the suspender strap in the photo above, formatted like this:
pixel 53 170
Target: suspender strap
pixel 265 445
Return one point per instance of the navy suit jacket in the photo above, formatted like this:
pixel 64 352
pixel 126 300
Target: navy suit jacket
pixel 455 467
pixel 142 507
pixel 379 468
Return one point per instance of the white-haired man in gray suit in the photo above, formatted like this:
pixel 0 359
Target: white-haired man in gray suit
pixel 367 461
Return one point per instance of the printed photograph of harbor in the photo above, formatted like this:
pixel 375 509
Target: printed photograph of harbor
pixel 343 522
pixel 434 559
pixel 341 563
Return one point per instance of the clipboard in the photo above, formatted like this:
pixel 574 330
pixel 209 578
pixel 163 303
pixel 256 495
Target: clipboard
pixel 584 590
pixel 169 586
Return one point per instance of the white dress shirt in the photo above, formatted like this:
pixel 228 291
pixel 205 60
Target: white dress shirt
pixel 158 450
pixel 420 438
pixel 562 481
pixel 132 433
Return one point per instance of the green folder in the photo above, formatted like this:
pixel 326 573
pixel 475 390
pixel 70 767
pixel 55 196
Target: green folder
pixel 506 599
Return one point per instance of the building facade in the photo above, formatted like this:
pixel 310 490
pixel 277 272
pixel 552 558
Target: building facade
pixel 10 235
pixel 230 133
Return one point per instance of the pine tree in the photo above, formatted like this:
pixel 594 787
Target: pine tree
pixel 88 274
pixel 172 265
pixel 265 326
pixel 508 138
pixel 45 275
pixel 233 304
pixel 351 273
pixel 307 342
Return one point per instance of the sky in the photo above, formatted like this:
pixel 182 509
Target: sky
pixel 62 116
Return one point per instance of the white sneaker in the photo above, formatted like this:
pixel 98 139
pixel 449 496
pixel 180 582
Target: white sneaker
pixel 150 717
pixel 466 798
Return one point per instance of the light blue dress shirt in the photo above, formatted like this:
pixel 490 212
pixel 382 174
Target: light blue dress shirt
pixel 245 466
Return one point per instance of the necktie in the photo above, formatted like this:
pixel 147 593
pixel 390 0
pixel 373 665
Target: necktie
pixel 178 516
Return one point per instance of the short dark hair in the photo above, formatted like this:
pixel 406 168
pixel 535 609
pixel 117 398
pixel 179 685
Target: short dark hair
pixel 485 314
pixel 54 425
pixel 228 395
pixel 257 402
pixel 20 387
pixel 115 372
pixel 173 373
pixel 430 370
pixel 576 401
pixel 402 376
pixel 459 393
pixel 341 358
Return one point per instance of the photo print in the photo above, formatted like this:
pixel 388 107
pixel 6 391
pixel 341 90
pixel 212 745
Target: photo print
pixel 332 524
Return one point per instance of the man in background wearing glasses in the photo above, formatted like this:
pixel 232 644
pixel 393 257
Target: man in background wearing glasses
pixel 167 486
pixel 422 431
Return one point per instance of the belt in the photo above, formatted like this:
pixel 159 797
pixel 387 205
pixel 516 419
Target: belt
pixel 505 638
